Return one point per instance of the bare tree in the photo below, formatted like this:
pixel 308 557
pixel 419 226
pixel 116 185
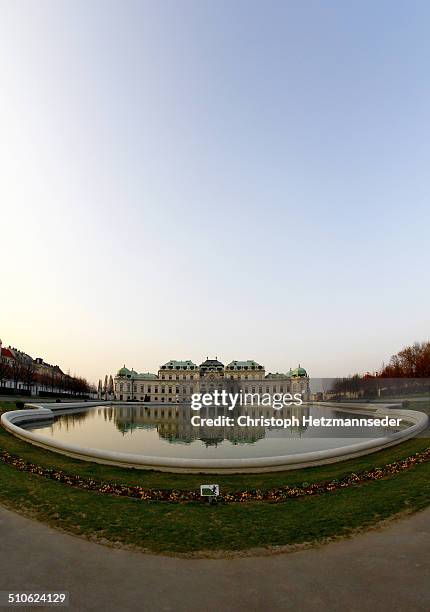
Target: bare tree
pixel 29 374
pixel 5 372
pixel 17 370
pixel 412 361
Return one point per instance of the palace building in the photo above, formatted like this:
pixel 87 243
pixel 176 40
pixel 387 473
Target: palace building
pixel 176 381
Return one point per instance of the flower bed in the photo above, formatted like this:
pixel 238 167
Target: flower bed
pixel 273 495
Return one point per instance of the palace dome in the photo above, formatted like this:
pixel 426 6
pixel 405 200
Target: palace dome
pixel 123 372
pixel 298 372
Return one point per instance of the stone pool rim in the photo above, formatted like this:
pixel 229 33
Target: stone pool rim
pixel 11 422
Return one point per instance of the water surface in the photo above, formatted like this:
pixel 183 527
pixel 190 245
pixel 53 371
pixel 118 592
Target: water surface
pixel 166 431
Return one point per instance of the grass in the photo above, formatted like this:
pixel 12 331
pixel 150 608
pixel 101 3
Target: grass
pixel 179 528
pixel 191 527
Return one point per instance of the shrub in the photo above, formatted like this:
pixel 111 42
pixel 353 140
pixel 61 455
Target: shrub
pixel 19 404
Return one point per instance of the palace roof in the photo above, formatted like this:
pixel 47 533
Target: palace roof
pixel 125 372
pixel 211 363
pixel 250 364
pixel 179 365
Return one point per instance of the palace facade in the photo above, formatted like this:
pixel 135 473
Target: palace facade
pixel 176 381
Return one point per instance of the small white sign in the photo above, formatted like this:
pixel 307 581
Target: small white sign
pixel 209 490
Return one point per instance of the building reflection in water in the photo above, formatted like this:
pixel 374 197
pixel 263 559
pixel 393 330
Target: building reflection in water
pixel 173 423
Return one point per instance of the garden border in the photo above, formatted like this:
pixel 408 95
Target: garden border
pixel 273 495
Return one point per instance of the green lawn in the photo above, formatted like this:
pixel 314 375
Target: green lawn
pixel 171 528
pixel 189 527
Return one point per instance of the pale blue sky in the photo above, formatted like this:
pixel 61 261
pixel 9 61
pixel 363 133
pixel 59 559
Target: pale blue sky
pixel 189 178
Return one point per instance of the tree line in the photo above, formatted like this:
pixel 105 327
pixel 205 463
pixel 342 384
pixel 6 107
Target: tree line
pixel 407 371
pixel 25 371
pixel 411 362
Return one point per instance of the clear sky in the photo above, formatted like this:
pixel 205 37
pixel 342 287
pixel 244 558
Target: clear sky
pixel 247 180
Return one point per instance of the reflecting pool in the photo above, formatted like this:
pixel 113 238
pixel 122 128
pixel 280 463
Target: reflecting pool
pixel 166 431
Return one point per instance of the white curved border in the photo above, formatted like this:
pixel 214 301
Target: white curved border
pixel 11 420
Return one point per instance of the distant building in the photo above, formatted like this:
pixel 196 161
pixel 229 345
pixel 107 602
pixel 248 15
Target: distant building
pixel 176 381
pixel 6 355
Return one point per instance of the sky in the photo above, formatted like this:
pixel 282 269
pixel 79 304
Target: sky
pixel 246 180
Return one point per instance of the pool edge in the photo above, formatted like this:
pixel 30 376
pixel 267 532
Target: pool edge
pixel 10 421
